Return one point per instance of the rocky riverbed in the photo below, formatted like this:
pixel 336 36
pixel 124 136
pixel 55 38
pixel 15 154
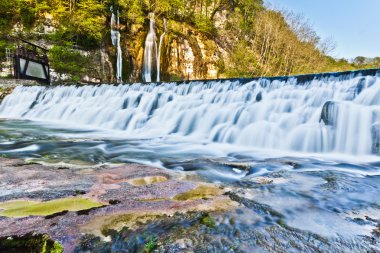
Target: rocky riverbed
pixel 137 208
pixel 65 202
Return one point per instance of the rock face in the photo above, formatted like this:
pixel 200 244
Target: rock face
pixel 192 56
pixel 375 132
pixel 185 54
pixel 5 90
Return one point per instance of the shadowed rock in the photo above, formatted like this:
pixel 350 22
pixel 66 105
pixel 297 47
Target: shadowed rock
pixel 329 113
pixel 375 132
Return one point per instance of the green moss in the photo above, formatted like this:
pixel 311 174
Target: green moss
pixel 208 221
pixel 201 192
pixel 25 208
pixel 119 222
pixel 281 222
pixel 30 243
pixel 150 245
pixel 57 248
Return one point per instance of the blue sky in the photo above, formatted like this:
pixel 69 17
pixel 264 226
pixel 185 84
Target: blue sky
pixel 353 24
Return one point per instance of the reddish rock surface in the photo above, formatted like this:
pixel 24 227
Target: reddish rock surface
pixel 109 185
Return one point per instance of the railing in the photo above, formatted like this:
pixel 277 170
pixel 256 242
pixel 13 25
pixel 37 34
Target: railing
pixel 9 60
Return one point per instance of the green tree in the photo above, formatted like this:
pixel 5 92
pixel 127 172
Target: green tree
pixel 7 15
pixel 65 60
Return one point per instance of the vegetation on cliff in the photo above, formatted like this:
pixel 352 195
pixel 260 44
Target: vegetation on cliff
pixel 205 39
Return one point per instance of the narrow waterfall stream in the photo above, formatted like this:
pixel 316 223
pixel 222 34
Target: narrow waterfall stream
pixel 150 53
pixel 159 51
pixel 115 37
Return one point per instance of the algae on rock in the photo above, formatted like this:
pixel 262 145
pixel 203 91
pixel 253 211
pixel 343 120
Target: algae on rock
pixel 25 208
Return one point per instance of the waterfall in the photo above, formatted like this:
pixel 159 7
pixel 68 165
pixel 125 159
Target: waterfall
pixel 150 52
pixel 115 37
pixel 159 51
pixel 333 113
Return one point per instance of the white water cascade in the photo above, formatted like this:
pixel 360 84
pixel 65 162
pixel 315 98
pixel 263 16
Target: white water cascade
pixel 150 52
pixel 159 51
pixel 115 37
pixel 265 113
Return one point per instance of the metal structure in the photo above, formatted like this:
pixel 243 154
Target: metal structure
pixel 30 61
pixel 9 59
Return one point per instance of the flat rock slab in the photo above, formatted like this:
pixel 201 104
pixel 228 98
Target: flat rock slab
pixel 130 189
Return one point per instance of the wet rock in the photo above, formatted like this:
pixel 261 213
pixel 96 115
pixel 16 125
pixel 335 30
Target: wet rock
pixel 201 192
pixel 259 97
pixel 186 233
pixel 257 207
pixel 263 181
pixel 329 113
pixel 30 243
pixel 376 231
pixel 114 202
pixel 5 91
pixel 147 180
pixel 56 214
pixel 11 162
pixel 25 208
pixel 183 243
pixel 182 216
pixel 127 205
pixel 360 86
pixel 375 132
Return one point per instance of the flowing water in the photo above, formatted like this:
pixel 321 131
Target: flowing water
pixel 115 37
pixel 281 115
pixel 304 148
pixel 150 53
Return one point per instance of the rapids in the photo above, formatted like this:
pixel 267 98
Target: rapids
pixel 324 114
pixel 297 150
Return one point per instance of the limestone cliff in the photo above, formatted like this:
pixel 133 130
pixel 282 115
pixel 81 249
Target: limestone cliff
pixel 186 53
pixel 203 40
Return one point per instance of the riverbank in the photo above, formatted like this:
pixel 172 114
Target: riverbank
pixel 142 208
pixel 66 202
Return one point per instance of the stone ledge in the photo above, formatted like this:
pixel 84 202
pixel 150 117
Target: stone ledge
pixel 16 82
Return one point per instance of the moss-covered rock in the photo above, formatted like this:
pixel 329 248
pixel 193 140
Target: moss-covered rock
pixel 5 91
pixel 147 180
pixel 30 243
pixel 25 208
pixel 201 192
